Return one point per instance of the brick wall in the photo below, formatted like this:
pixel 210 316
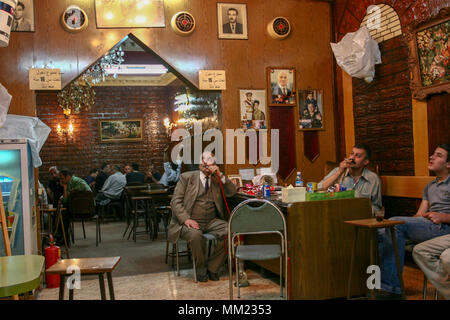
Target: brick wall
pixel 382 109
pixel 82 150
pixel 383 23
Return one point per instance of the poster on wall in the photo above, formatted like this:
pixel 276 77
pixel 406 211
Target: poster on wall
pixel 310 109
pixel 281 83
pixel 129 14
pixel 253 109
pixel 23 17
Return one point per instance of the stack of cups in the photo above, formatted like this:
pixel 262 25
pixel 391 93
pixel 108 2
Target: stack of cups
pixel 7 8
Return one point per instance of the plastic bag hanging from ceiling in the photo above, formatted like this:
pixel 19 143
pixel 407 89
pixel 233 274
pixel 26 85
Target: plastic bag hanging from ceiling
pixel 357 53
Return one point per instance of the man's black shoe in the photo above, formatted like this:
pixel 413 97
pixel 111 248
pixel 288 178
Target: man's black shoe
pixel 213 276
pixel 202 277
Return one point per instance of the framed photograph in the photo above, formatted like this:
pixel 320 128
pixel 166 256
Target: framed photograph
pixel 120 130
pixel 129 14
pixel 281 81
pixel 236 179
pixel 253 109
pixel 310 109
pixel 23 16
pixel 429 48
pixel 232 20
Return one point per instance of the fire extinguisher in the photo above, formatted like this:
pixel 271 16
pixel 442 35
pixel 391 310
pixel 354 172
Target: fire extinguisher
pixel 52 255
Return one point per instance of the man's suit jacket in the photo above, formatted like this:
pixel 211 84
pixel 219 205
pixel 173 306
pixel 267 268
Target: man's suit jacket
pixel 277 91
pixel 227 28
pixel 185 195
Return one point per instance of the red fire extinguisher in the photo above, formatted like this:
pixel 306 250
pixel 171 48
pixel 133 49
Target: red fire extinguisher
pixel 52 255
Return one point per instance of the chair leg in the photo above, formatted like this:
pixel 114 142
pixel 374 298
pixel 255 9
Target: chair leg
pixel 178 262
pixel 281 276
pixel 96 231
pixel 424 287
pixel 230 275
pixel 99 231
pixel 167 250
pixel 84 232
pixel 237 277
pixel 195 270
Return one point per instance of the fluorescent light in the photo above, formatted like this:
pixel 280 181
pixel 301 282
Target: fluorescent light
pixel 137 69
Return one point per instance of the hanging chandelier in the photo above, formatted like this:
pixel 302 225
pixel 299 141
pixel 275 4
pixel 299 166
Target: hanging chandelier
pixel 97 73
pixel 80 94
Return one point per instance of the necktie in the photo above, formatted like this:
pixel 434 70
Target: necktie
pixel 232 28
pixel 207 184
pixel 284 91
pixel 16 24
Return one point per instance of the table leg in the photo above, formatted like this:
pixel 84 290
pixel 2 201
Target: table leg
pixel 110 285
pixel 61 287
pixel 64 235
pixel 372 257
pixel 70 294
pixel 349 292
pixel 397 260
pixel 102 286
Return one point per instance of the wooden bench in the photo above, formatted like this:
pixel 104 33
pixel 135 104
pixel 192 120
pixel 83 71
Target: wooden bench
pixel 91 266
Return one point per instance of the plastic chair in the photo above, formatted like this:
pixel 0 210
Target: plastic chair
pixel 82 207
pixel 257 217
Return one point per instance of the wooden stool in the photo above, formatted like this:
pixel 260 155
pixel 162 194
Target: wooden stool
pixel 91 266
pixel 372 224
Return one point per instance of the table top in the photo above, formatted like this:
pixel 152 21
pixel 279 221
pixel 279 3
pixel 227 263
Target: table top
pixel 52 209
pixel 86 265
pixel 151 192
pixel 20 274
pixel 373 223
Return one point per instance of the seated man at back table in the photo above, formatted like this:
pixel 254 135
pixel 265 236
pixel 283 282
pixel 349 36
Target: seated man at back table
pixel 431 220
pixel 112 188
pixel 103 174
pixel 135 175
pixel 70 183
pixel 170 175
pixel 54 189
pixel 197 208
pixel 353 174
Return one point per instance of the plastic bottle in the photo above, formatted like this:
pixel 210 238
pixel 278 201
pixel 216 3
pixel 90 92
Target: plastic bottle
pixel 299 180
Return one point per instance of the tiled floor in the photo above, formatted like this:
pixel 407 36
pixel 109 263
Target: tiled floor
pixel 142 273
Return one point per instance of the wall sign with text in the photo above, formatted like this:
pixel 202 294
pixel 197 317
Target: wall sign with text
pixel 45 79
pixel 212 80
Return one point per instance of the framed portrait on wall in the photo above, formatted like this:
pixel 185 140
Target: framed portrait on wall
pixel 232 20
pixel 310 108
pixel 281 86
pixel 253 109
pixel 23 18
pixel 429 52
pixel 120 130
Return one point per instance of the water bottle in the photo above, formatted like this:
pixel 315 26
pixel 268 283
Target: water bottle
pixel 299 180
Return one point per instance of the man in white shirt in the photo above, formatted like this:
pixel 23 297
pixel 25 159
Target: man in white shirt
pixel 113 186
pixel 198 208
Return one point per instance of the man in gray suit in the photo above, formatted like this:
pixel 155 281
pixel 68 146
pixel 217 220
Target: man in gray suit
pixel 232 26
pixel 197 208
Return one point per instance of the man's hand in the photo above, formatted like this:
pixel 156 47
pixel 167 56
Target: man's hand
pixel 215 170
pixel 191 224
pixel 346 163
pixel 437 217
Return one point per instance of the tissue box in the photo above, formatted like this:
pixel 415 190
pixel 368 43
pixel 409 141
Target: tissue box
pixel 330 195
pixel 293 195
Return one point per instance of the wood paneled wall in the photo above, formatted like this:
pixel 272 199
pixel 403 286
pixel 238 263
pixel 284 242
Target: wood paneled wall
pixel 245 61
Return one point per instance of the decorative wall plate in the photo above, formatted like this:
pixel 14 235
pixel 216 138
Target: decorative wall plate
pixel 279 28
pixel 183 23
pixel 74 19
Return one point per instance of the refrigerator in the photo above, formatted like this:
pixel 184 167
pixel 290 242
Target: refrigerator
pixel 17 183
